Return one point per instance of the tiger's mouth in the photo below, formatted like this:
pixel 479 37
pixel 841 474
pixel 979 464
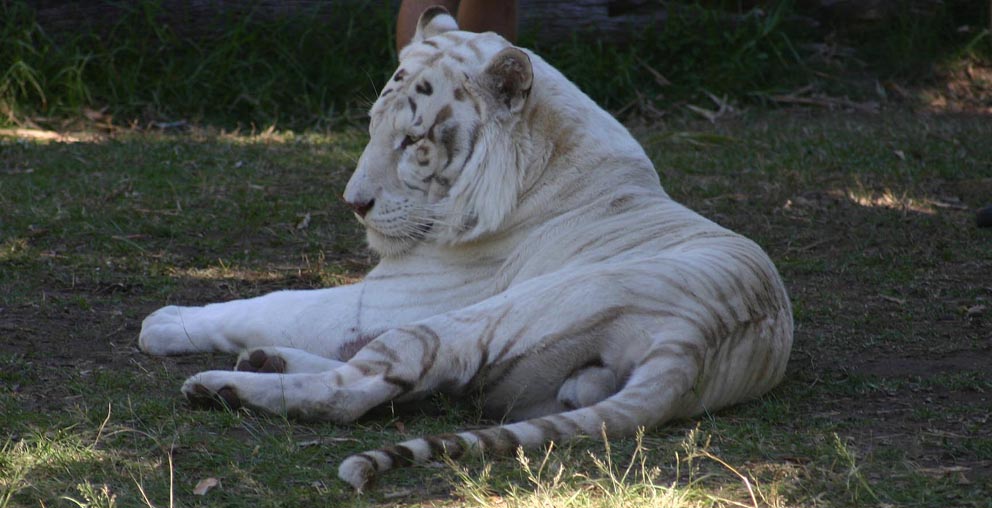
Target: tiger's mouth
pixel 415 231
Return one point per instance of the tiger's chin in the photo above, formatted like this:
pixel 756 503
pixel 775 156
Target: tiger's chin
pixel 388 246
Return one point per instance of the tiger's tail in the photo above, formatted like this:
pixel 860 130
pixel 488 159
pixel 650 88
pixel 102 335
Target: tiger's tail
pixel 652 395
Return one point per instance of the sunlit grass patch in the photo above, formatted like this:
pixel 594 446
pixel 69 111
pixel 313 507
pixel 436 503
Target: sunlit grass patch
pixel 662 474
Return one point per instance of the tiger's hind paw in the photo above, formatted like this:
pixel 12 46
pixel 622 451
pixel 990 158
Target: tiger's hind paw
pixel 201 397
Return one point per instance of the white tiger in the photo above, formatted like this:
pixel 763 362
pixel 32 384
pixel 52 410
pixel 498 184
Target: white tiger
pixel 528 253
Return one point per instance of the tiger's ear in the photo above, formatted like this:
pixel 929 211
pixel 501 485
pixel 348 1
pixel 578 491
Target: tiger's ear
pixel 508 77
pixel 434 21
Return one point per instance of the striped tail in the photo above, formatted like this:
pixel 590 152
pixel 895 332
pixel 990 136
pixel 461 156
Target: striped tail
pixel 651 396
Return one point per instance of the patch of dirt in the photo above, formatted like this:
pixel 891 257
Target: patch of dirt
pixel 941 430
pixel 969 360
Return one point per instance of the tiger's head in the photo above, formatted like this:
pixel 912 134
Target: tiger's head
pixel 443 163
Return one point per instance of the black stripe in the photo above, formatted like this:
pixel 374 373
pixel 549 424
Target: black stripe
pixel 473 45
pixel 400 455
pixel 436 445
pixel 487 441
pixel 454 445
pixel 509 441
pixel 429 341
pixel 446 445
pixel 384 350
pixel 548 428
pixel 402 384
pixel 503 442
pixel 424 87
pixel 560 421
pixel 371 459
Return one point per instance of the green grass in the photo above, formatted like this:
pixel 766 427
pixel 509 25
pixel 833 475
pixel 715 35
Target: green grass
pixel 305 71
pixel 695 50
pixel 293 70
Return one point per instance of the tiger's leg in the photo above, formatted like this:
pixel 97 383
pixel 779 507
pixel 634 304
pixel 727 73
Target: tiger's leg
pixel 588 386
pixel 449 349
pixel 317 321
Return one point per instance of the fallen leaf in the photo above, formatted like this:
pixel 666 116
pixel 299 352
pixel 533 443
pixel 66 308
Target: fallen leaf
pixel 205 486
pixel 400 426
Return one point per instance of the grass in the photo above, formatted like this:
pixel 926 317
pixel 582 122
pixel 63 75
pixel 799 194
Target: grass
pixel 314 70
pixel 97 234
pixel 288 70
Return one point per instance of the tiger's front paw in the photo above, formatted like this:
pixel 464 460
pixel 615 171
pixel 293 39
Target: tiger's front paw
pixel 177 330
pixel 284 360
pixel 260 360
pixel 166 332
pixel 224 389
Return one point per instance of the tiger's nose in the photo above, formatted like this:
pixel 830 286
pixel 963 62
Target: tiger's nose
pixel 361 207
